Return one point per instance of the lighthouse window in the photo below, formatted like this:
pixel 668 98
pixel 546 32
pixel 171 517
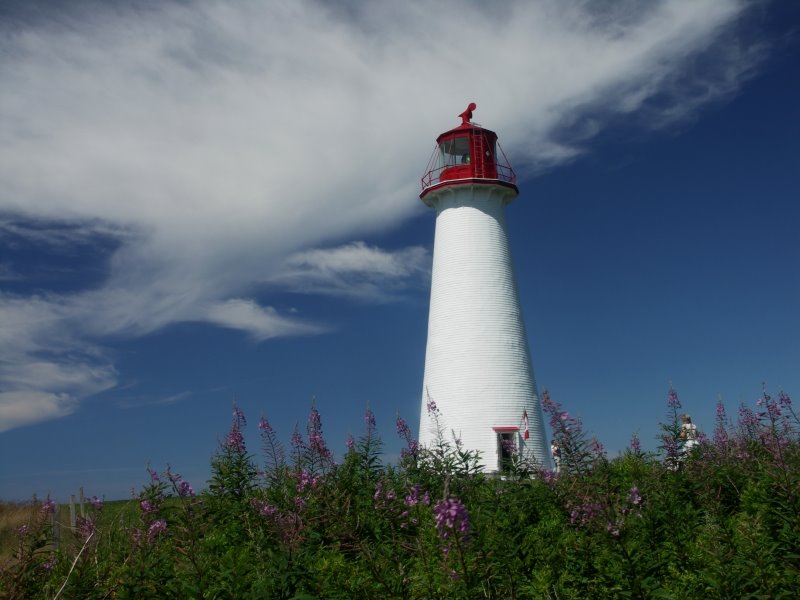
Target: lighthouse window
pixel 455 151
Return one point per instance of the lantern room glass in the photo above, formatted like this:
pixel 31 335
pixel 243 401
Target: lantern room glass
pixel 455 151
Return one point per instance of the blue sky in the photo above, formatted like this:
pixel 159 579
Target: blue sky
pixel 209 202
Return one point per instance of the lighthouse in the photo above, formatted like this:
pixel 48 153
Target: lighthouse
pixel 478 370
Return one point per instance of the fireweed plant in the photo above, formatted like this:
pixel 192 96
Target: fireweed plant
pixel 720 522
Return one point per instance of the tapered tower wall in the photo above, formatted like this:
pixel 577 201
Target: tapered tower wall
pixel 477 364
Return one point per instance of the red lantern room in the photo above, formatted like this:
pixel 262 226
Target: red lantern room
pixel 467 154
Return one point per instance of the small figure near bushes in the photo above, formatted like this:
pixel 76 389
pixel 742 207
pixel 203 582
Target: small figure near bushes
pixel 555 451
pixel 688 436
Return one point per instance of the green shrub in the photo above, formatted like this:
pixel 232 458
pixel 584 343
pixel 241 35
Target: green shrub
pixel 720 522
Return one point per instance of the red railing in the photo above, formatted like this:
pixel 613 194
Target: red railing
pixel 437 173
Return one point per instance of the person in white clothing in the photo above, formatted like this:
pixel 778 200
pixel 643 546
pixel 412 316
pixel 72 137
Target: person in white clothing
pixel 688 435
pixel 556 452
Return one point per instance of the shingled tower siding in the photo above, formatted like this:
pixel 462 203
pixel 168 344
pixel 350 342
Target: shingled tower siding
pixel 477 364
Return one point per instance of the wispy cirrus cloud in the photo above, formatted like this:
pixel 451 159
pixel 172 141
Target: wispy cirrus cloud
pixel 262 323
pixel 356 271
pixel 217 150
pixel 138 402
pixel 64 236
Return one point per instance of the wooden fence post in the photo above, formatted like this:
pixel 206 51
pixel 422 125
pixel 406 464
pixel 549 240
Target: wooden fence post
pixel 56 528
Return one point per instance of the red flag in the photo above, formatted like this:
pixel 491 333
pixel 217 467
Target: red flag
pixel 525 422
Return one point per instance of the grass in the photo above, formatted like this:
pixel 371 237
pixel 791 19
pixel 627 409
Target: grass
pixel 14 515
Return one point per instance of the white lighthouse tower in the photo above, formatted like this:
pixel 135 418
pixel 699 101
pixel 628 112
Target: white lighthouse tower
pixel 477 363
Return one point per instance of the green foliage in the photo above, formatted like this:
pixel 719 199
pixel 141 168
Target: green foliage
pixel 722 522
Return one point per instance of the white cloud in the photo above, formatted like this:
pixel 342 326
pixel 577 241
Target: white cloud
pixel 354 270
pixel 64 236
pixel 44 367
pixel 215 143
pixel 20 408
pixel 261 323
pixel 138 402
